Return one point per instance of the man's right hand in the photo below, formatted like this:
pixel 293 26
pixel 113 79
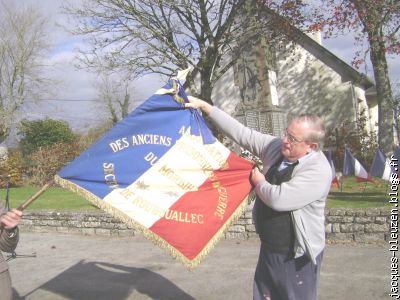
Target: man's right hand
pixel 11 219
pixel 256 176
pixel 199 104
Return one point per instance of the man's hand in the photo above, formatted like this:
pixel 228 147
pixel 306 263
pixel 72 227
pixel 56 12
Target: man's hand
pixel 200 104
pixel 11 219
pixel 256 176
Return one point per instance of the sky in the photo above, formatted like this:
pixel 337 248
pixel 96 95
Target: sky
pixel 75 98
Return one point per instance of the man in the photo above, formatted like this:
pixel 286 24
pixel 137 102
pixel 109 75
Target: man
pixel 289 208
pixel 8 242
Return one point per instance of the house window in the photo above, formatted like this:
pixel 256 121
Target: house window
pixel 272 87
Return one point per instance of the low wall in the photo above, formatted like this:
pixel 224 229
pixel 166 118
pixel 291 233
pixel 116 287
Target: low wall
pixel 359 225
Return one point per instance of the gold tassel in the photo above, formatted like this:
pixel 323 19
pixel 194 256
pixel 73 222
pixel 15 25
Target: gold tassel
pixel 156 239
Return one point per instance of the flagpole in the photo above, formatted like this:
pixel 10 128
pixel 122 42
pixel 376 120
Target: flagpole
pixel 386 192
pixel 35 196
pixel 341 183
pixel 365 187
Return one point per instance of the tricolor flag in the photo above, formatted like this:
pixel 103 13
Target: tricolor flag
pixel 395 160
pixel 161 171
pixel 395 164
pixel 335 180
pixel 351 166
pixel 381 166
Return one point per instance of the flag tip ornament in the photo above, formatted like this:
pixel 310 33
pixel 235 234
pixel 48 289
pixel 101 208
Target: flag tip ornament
pixel 175 85
pixel 182 74
pixel 154 170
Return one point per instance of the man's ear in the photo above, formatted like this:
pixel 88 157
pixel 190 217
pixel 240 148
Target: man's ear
pixel 314 146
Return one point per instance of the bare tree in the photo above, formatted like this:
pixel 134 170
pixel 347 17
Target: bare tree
pixel 23 43
pixel 162 36
pixel 115 95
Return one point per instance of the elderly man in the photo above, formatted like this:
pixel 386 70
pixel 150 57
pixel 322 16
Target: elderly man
pixel 8 242
pixel 289 208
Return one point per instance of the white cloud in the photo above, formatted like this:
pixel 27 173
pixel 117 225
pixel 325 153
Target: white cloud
pixel 73 97
pixel 394 68
pixel 78 84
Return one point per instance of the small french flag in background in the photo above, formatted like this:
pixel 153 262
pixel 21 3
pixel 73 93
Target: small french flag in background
pixel 396 160
pixel 335 180
pixel 351 166
pixel 381 166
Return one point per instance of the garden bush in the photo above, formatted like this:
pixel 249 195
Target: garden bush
pixel 11 167
pixel 43 133
pixel 46 161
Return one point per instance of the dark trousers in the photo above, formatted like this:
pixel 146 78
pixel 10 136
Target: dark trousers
pixel 281 277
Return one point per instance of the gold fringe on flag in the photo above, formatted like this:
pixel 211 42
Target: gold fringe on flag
pixel 156 239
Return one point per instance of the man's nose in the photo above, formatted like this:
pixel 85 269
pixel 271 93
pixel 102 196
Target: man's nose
pixel 285 140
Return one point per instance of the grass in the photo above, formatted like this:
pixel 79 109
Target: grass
pixel 352 195
pixel 53 198
pixel 355 194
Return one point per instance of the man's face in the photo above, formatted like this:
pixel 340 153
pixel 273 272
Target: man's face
pixel 294 145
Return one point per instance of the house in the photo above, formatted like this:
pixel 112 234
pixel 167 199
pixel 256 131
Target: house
pixel 270 82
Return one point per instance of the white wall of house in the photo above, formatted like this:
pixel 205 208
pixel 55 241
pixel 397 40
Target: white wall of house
pixel 226 93
pixel 301 83
pixel 373 109
pixel 306 84
pixel 363 109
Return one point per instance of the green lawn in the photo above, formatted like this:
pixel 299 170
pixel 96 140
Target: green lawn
pixel 53 198
pixel 352 195
pixel 355 194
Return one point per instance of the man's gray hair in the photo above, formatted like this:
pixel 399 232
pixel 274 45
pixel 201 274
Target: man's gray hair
pixel 317 128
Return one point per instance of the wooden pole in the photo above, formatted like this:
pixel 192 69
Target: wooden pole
pixel 341 183
pixel 365 187
pixel 35 196
pixel 31 199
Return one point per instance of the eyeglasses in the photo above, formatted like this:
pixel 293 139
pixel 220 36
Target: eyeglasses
pixel 291 139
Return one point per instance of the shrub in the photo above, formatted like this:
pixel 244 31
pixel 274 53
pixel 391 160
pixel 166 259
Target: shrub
pixel 43 163
pixel 354 136
pixel 12 167
pixel 88 139
pixel 46 161
pixel 43 133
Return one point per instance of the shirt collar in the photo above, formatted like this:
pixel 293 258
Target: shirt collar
pixel 285 163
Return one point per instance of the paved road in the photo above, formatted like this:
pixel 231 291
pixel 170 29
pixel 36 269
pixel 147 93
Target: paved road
pixel 94 267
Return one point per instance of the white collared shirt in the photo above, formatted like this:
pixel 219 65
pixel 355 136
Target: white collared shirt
pixel 285 163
